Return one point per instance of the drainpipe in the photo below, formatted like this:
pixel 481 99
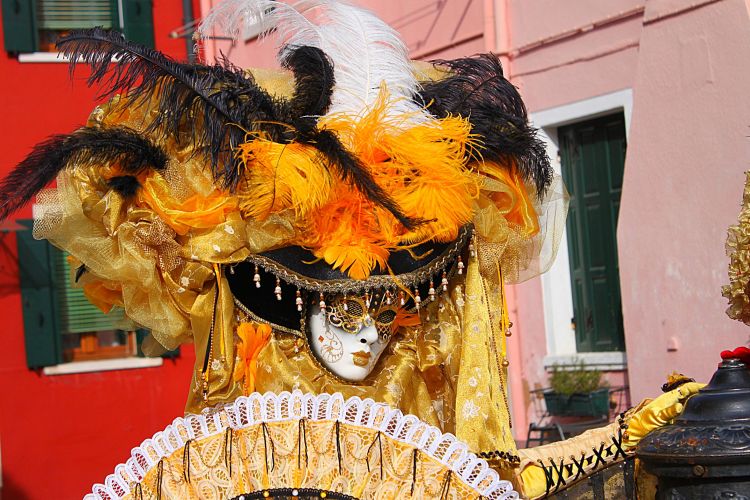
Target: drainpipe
pixel 496 12
pixel 501 43
pixel 187 20
pixel 490 33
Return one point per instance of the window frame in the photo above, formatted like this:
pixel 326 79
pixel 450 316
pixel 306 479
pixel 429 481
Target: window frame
pixel 102 365
pixel 42 309
pixel 556 288
pixel 21 32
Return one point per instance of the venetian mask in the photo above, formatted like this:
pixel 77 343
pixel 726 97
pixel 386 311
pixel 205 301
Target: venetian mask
pixel 350 334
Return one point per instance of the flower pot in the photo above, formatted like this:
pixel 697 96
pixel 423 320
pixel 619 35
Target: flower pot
pixel 591 404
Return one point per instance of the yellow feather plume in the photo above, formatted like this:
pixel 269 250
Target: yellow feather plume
pixel 281 177
pixel 422 165
pixel 347 234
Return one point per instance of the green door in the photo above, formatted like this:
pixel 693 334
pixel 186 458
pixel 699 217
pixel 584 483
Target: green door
pixel 593 157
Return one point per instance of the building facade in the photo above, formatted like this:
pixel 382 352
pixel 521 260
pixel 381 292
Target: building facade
pixel 668 76
pixel 644 110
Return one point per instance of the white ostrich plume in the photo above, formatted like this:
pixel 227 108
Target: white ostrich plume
pixel 365 51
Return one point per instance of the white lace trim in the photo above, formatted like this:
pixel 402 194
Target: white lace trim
pixel 258 408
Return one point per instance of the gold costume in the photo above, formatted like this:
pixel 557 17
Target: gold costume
pixel 234 208
pixel 160 260
pixel 228 208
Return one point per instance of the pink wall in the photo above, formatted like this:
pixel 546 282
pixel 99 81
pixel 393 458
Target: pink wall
pixel 683 186
pixel 431 29
pixel 683 174
pixel 560 53
pixel 585 50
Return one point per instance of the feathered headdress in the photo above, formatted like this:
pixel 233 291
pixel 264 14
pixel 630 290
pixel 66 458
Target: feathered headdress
pixel 368 174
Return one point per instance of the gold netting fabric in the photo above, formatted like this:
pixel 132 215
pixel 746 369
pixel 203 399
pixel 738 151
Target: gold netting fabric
pixel 520 239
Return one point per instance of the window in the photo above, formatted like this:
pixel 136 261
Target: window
pixel 60 324
pixel 34 25
pixel 557 293
pixel 592 155
pixel 86 332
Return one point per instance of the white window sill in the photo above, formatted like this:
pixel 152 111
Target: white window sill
pixel 102 365
pixel 607 361
pixel 48 57
pixel 43 57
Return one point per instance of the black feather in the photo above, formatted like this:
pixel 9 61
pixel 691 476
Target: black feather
pixel 228 102
pixel 126 185
pixel 313 87
pixel 478 91
pixel 313 81
pixel 80 271
pixel 131 151
pixel 221 96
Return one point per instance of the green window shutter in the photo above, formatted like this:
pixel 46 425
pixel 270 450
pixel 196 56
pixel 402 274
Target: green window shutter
pixel 593 157
pixel 78 14
pixel 41 328
pixel 19 26
pixel 77 314
pixel 138 21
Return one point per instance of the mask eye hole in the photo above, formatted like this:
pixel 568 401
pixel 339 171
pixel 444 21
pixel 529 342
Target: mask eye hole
pixel 386 317
pixel 354 308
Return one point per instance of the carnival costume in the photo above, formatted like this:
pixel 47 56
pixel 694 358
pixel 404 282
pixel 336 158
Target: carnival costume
pixel 253 212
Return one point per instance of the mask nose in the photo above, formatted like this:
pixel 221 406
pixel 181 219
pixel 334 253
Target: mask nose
pixel 368 335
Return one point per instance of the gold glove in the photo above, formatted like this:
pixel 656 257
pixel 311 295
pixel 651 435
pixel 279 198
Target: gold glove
pixel 656 413
pixel 646 417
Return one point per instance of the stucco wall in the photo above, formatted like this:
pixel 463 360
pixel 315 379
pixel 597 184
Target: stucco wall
pixel 683 181
pixel 586 48
pixel 683 186
pixel 560 53
pixel 431 29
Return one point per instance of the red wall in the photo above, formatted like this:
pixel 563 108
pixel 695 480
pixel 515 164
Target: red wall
pixel 61 434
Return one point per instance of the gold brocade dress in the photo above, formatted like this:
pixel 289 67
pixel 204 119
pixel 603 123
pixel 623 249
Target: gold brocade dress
pixel 448 371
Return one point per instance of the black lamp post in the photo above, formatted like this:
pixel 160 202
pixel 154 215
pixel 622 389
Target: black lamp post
pixel 705 453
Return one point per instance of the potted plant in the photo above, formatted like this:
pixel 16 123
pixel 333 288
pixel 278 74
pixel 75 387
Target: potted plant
pixel 576 390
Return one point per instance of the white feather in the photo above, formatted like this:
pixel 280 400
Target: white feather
pixel 235 17
pixel 366 54
pixel 365 51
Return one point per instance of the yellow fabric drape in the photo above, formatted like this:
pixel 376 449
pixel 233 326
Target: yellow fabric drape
pixel 201 212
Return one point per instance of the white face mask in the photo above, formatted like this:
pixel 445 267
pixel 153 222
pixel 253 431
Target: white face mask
pixel 350 356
